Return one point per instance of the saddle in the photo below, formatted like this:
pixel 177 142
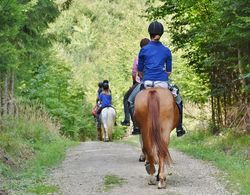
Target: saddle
pixel 100 109
pixel 173 88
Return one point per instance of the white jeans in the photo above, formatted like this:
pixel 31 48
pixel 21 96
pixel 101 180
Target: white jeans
pixel 149 84
pixel 163 84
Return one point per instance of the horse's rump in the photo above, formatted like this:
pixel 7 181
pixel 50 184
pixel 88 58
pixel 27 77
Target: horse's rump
pixel 157 115
pixel 107 117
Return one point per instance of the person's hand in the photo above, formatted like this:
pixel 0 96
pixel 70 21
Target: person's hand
pixel 140 74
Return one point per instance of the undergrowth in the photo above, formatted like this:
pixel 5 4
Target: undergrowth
pixel 30 144
pixel 229 151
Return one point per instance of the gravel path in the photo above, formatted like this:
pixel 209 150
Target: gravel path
pixel 85 167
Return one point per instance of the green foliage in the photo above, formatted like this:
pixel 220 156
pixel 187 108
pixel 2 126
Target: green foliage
pixel 52 87
pixel 31 142
pixel 215 37
pixel 193 87
pixel 228 151
pixel 88 36
pixel 12 18
pixel 61 51
pixel 118 133
pixel 21 27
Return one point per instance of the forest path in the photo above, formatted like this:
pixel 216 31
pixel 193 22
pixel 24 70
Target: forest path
pixel 84 170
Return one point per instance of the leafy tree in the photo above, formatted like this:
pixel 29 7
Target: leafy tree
pixel 214 35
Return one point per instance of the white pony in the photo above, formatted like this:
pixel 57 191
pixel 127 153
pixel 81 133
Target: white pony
pixel 107 117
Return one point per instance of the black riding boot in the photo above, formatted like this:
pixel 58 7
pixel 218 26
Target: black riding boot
pixel 179 129
pixel 136 129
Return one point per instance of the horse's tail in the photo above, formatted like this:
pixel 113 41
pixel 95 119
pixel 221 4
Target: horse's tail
pixel 154 124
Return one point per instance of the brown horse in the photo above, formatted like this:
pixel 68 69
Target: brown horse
pixel 156 114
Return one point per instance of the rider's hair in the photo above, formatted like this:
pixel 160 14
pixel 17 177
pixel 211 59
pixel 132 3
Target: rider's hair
pixel 144 42
pixel 155 37
pixel 100 84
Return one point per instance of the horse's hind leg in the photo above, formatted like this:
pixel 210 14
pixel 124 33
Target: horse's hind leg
pixel 142 157
pixel 106 138
pixel 150 168
pixel 162 177
pixel 110 134
pixel 101 134
pixel 169 169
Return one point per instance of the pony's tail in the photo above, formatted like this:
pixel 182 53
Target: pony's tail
pixel 154 123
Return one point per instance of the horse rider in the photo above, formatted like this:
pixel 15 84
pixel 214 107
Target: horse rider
pixel 104 100
pixel 154 67
pixel 105 97
pixel 99 91
pixel 136 80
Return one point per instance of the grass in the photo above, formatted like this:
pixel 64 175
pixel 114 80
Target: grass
pixel 32 145
pixel 111 181
pixel 43 189
pixel 229 152
pixel 131 140
pixel 118 133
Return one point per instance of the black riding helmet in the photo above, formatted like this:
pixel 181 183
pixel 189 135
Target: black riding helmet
pixel 105 81
pixel 155 28
pixel 105 85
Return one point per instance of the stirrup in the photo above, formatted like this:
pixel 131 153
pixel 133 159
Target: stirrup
pixel 180 132
pixel 125 123
pixel 136 131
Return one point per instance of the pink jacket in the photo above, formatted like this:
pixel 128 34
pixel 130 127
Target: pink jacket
pixel 134 71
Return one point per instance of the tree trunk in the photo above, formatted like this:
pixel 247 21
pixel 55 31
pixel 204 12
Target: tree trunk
pixel 11 93
pixel 242 80
pixel 1 94
pixel 5 96
pixel 214 127
pixel 225 109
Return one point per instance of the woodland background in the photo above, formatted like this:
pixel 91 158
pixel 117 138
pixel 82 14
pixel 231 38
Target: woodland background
pixel 53 53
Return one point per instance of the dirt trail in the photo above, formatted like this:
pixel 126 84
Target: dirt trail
pixel 85 167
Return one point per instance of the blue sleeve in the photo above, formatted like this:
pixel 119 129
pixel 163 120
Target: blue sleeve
pixel 140 65
pixel 169 62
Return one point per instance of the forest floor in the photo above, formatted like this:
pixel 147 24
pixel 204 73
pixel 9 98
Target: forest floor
pixel 113 168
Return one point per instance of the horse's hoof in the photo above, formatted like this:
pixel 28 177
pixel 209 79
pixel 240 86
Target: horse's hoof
pixel 142 158
pixel 162 185
pixel 152 180
pixel 147 167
